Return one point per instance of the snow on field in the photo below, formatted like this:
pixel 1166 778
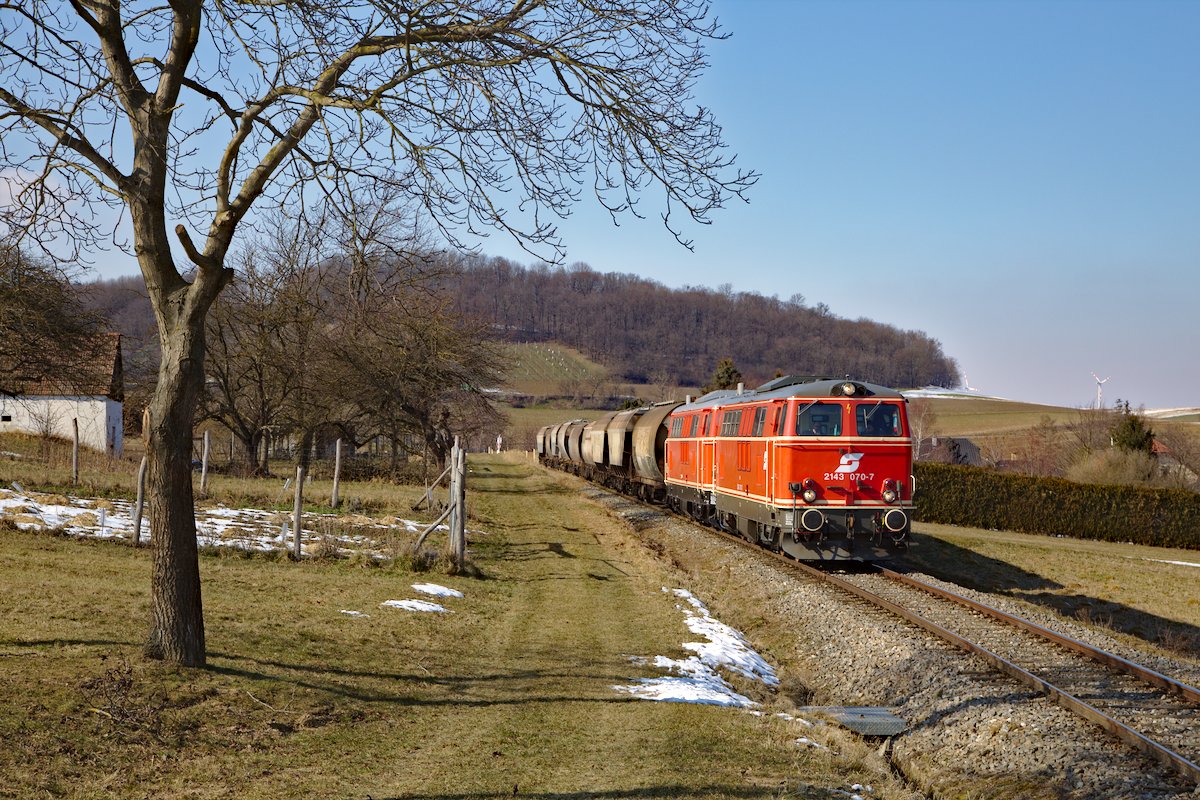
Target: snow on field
pixel 1172 413
pixel 1176 563
pixel 696 678
pixel 946 394
pixel 436 591
pixel 244 528
pixel 415 605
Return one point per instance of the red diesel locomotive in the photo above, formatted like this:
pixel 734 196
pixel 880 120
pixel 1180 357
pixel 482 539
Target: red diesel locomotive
pixel 817 467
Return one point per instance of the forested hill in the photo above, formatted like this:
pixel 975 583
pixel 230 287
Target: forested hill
pixel 645 331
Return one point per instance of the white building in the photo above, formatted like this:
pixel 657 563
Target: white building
pixel 93 394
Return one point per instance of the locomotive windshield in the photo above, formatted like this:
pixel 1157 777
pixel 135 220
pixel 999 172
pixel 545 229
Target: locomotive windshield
pixel 878 419
pixel 819 419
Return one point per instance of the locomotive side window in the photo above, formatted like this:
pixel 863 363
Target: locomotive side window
pixel 878 419
pixel 819 419
pixel 692 426
pixel 730 422
pixel 760 419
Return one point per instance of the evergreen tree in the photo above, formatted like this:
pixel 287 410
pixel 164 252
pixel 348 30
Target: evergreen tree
pixel 1130 431
pixel 726 376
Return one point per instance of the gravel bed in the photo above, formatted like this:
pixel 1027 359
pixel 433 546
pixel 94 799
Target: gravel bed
pixel 973 732
pixel 1181 670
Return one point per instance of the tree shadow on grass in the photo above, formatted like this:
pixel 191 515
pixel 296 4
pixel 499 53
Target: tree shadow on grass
pixel 423 688
pixel 664 791
pixel 949 562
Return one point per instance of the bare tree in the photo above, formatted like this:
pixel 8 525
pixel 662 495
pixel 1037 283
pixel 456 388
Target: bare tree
pixel 483 114
pixel 255 364
pixel 922 418
pixel 47 334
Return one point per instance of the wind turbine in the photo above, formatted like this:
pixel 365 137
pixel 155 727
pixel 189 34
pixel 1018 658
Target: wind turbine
pixel 1099 390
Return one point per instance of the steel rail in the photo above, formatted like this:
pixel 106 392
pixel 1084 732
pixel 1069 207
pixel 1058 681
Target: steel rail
pixel 1123 732
pixel 1163 755
pixel 1112 660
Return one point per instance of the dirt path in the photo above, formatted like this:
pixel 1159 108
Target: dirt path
pixel 573 596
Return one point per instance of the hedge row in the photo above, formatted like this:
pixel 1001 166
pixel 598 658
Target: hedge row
pixel 983 498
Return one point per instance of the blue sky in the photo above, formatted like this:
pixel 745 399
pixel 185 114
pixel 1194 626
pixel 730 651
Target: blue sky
pixel 1019 179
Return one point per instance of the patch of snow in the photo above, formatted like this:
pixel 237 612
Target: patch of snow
pixel 695 679
pixel 415 605
pixel 1176 563
pixel 726 647
pixel 1168 413
pixel 696 683
pixel 943 393
pixel 804 741
pixel 436 591
pixel 354 613
pixel 243 528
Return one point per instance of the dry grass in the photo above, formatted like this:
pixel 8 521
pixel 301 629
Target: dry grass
pixel 1124 587
pixel 509 694
pixel 975 416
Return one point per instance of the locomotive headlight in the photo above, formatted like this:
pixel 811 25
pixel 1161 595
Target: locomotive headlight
pixel 810 495
pixel 848 389
pixel 889 491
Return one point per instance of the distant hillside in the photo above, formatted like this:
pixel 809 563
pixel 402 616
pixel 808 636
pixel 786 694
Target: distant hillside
pixel 646 332
pixel 638 330
pixel 542 369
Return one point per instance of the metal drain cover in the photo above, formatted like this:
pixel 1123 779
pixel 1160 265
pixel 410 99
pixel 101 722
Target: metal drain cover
pixel 866 720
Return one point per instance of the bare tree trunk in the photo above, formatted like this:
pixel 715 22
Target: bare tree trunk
pixel 177 615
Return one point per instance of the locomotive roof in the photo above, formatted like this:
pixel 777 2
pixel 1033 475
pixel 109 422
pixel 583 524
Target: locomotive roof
pixel 789 386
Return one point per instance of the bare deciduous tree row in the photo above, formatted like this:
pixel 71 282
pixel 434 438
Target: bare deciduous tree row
pixel 649 333
pixel 355 342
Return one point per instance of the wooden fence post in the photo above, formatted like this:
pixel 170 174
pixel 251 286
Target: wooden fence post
pixel 204 468
pixel 137 508
pixel 297 509
pixel 75 451
pixel 453 498
pixel 334 499
pixel 460 522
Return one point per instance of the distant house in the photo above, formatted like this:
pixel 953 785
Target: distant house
pixel 43 400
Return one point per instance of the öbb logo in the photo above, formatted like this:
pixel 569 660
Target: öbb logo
pixel 849 463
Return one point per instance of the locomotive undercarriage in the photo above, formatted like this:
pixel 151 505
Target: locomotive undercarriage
pixel 854 534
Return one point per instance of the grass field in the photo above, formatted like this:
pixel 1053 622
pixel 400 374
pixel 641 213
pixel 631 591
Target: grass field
pixel 509 695
pixel 1131 589
pixel 550 368
pixel 973 416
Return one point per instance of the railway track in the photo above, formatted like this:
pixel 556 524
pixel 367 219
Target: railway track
pixel 1151 712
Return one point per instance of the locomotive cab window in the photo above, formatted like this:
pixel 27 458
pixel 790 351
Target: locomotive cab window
pixel 878 419
pixel 819 419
